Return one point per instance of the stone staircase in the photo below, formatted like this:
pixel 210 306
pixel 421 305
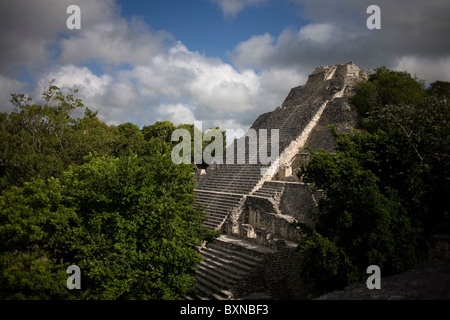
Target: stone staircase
pixel 226 187
pixel 218 205
pixel 270 189
pixel 236 178
pixel 226 263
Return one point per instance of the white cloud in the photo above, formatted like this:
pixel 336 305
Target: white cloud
pixel 117 100
pixel 144 76
pixel 8 86
pixel 231 8
pixel 176 113
pixel 317 32
pixel 114 42
pixel 254 51
pixel 337 33
pixel 31 29
pixel 215 88
pixel 424 68
pixel 180 86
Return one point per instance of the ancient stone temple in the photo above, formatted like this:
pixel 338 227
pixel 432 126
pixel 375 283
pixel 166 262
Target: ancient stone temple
pixel 255 203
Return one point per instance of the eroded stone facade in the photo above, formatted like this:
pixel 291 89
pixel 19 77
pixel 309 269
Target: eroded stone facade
pixel 257 213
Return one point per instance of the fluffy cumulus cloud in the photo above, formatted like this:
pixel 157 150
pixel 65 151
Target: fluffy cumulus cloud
pixel 7 87
pixel 178 113
pixel 425 67
pixel 231 8
pixel 31 29
pixel 129 72
pixel 114 42
pixel 413 34
pixel 211 90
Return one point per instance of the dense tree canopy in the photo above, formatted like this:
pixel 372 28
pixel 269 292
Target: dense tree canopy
pixel 386 187
pixel 109 199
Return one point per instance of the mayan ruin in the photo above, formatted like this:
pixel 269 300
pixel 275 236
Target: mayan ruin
pixel 256 252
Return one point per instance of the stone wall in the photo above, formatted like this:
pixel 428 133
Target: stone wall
pixel 265 215
pixel 440 247
pixel 264 220
pixel 339 113
pixel 276 277
pixel 299 202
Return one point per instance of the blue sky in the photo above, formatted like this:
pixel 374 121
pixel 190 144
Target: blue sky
pixel 203 27
pixel 223 62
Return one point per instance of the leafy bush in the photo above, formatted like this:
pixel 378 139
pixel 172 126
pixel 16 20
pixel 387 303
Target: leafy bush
pixel 76 191
pixel 386 188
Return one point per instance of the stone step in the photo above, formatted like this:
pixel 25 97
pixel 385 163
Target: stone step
pixel 225 203
pixel 210 198
pixel 216 214
pixel 230 178
pixel 211 225
pixel 220 278
pixel 221 210
pixel 241 188
pixel 217 221
pixel 266 192
pixel 209 201
pixel 233 176
pixel 235 171
pixel 230 182
pixel 226 265
pixel 227 183
pixel 228 277
pixel 245 190
pixel 217 217
pixel 221 205
pixel 237 256
pixel 211 290
pixel 251 169
pixel 238 260
pixel 215 194
pixel 236 189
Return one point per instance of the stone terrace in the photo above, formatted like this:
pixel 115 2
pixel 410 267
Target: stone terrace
pixel 256 255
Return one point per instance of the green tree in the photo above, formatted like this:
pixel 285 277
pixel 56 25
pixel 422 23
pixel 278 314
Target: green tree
pixel 36 236
pixel 439 89
pixel 362 214
pixel 131 139
pixel 129 223
pixel 325 266
pixel 386 191
pixel 160 129
pixel 387 87
pixel 75 190
pixel 43 140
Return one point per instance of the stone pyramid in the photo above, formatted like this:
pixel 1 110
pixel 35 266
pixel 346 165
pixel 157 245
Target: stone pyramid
pixel 254 202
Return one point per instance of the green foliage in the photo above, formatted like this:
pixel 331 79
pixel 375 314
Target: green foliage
pixel 385 190
pixel 387 87
pixel 332 267
pixel 361 214
pixel 160 129
pixel 128 223
pixel 35 233
pixel 131 139
pixel 77 191
pixel 439 89
pixel 44 140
